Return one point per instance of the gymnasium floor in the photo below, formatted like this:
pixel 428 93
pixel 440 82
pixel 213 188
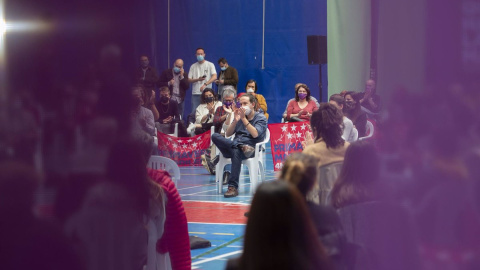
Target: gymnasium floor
pixel 215 218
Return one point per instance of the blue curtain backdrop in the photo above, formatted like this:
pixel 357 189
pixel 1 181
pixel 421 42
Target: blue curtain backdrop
pixel 233 29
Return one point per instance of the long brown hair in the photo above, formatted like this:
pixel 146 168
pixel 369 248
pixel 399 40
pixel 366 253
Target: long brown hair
pixel 358 176
pixel 280 233
pixel 326 123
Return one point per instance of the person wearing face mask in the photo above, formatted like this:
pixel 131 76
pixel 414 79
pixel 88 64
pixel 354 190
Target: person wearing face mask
pixel 205 112
pixel 201 74
pixel 174 78
pixel 284 115
pixel 222 119
pixel 228 76
pixel 301 108
pixel 168 114
pixel 146 75
pixel 250 128
pixel 251 88
pixel 353 110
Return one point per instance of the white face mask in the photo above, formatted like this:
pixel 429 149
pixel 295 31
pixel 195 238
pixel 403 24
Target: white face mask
pixel 250 90
pixel 247 110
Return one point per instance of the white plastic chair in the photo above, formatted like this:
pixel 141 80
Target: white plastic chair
pixel 166 164
pixel 369 131
pixel 253 164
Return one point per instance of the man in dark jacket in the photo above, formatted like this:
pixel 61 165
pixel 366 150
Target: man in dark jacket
pixel 228 76
pixel 174 79
pixel 147 76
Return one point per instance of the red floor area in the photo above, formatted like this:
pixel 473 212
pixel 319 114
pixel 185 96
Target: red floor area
pixel 212 212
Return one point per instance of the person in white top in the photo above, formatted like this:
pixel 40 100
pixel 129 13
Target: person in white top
pixel 350 133
pixel 205 112
pixel 201 75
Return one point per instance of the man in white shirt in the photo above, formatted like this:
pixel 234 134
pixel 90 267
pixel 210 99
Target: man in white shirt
pixel 201 75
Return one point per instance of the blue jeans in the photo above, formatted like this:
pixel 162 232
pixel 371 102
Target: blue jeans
pixel 195 102
pixel 226 146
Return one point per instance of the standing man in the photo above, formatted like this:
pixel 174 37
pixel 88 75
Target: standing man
pixel 147 76
pixel 201 75
pixel 174 79
pixel 250 128
pixel 228 76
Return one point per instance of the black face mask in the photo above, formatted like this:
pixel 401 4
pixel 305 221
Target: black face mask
pixel 164 99
pixel 208 99
pixel 350 105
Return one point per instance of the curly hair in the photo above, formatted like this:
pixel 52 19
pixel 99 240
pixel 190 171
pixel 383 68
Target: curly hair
pixel 326 123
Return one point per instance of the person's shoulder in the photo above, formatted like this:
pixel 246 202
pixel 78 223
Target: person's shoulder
pixel 260 116
pixel 173 102
pixel 347 120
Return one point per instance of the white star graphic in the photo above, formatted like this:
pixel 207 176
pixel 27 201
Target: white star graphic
pixel 184 146
pixel 189 140
pixel 199 138
pixel 284 128
pixel 169 138
pixel 293 127
pixel 175 145
pixel 299 134
pixel 289 135
pixel 304 126
pixel 195 145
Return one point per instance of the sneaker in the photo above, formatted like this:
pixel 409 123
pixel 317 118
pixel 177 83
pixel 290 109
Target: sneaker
pixel 231 192
pixel 207 165
pixel 248 151
pixel 215 160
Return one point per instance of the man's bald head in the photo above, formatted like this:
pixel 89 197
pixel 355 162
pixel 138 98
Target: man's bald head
pixel 370 86
pixel 178 63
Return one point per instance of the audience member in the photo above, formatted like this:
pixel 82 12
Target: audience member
pixel 175 239
pixel 284 115
pixel 27 242
pixel 146 75
pixel 174 78
pixel 228 76
pixel 329 148
pixel 383 229
pixel 201 75
pixel 353 110
pixel 280 233
pixel 301 170
pixel 222 120
pixel 302 107
pixel 205 112
pixel 350 133
pixel 249 128
pixel 142 118
pixel 150 104
pixel 251 88
pixel 370 100
pixel 168 114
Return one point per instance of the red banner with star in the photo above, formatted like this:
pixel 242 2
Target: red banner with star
pixel 286 138
pixel 184 151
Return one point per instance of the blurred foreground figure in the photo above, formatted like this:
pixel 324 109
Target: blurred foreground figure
pixel 25 241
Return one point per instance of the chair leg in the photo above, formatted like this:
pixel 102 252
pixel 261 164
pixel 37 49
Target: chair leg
pixel 253 172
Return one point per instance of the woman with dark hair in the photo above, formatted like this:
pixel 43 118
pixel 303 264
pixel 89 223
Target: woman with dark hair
pixel 380 227
pixel 301 108
pixel 353 110
pixel 329 146
pixel 251 88
pixel 280 234
pixel 358 177
pixel 205 112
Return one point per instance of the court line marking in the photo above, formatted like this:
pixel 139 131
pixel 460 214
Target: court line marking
pixel 223 233
pixel 217 257
pixel 198 232
pixel 215 249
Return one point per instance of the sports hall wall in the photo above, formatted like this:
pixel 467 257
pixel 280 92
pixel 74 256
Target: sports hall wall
pixel 234 30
